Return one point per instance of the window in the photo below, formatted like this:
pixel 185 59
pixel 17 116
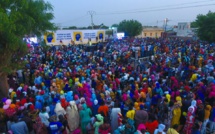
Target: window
pixel 150 34
pixel 156 34
pixel 145 34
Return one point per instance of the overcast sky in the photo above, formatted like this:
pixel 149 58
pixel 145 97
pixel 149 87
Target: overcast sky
pixel 148 12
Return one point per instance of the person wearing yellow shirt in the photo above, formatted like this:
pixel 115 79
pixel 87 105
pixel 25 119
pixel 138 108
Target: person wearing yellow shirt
pixel 206 118
pixel 173 129
pixel 131 112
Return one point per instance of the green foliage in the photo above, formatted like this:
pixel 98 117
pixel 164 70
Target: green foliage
pixel 19 18
pixel 115 25
pixel 205 25
pixel 71 27
pixel 130 27
pixel 109 32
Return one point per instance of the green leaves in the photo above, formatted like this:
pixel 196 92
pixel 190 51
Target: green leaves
pixel 130 27
pixel 205 25
pixel 17 19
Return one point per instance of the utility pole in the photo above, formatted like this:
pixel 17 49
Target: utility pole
pixel 165 23
pixel 91 13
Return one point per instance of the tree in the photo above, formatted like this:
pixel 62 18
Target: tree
pixel 205 25
pixel 19 18
pixel 71 27
pixel 130 27
pixel 115 25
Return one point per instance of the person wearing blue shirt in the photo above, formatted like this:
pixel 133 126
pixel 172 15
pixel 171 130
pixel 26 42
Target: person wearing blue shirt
pixel 55 126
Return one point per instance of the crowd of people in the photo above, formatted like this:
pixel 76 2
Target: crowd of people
pixel 129 86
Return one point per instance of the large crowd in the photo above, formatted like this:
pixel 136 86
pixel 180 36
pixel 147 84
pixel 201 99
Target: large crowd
pixel 129 86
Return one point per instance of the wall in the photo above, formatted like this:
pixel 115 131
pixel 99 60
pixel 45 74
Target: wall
pixel 151 32
pixel 184 30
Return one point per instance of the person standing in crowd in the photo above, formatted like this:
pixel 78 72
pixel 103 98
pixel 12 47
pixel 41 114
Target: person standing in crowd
pixel 55 126
pixel 99 121
pixel 103 109
pixel 72 116
pixel 160 129
pixel 105 128
pixel 44 116
pixel 173 129
pixel 19 127
pixel 28 121
pixel 114 118
pixel 39 127
pixel 141 116
pixel 85 116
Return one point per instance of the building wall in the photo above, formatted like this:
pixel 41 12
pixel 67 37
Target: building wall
pixel 184 30
pixel 151 32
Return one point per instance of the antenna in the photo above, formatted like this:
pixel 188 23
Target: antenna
pixel 91 13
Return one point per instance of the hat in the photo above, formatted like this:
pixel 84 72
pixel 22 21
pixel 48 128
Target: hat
pixel 161 127
pixel 95 102
pixel 6 107
pixel 4 99
pixel 10 90
pixel 31 107
pixel 199 102
pixel 42 92
pixel 141 127
pixel 8 102
pixel 76 97
pixel 141 106
pixel 99 117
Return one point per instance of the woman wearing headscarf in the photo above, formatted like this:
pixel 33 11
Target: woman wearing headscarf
pixel 141 116
pixel 176 111
pixel 72 116
pixel 206 118
pixel 190 118
pixel 59 110
pixel 160 129
pixel 114 118
pixel 39 127
pixel 99 121
pixel 44 116
pixel 105 128
pixel 173 130
pixel 151 124
pixel 129 127
pixel 65 124
pixel 85 116
pixel 95 107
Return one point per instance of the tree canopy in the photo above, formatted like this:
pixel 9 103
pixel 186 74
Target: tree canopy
pixel 130 27
pixel 20 18
pixel 205 25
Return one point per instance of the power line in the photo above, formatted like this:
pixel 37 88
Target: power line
pixel 188 3
pixel 159 9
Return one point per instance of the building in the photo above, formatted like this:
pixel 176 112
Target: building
pixel 184 30
pixel 152 32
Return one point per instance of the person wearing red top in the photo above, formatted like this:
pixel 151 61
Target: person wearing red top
pixel 103 109
pixel 152 124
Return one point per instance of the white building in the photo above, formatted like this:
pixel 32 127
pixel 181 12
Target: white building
pixel 184 30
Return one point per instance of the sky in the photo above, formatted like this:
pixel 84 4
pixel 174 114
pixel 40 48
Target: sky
pixel 108 12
